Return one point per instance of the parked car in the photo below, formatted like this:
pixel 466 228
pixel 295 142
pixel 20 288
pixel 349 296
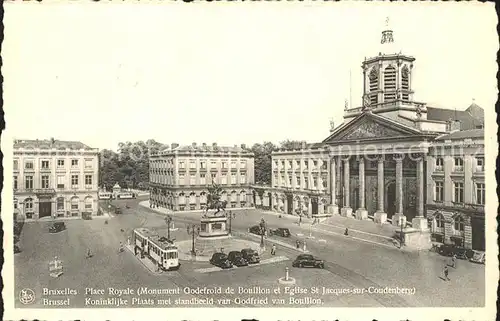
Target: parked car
pixel 446 250
pixel 237 259
pixel 57 227
pixel 221 260
pixel 478 257
pixel 251 256
pixel 307 260
pixel 118 210
pixel 280 231
pixel 254 229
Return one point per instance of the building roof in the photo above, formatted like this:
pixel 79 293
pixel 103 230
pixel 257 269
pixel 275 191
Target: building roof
pixel 463 134
pixel 206 148
pixel 49 143
pixel 471 118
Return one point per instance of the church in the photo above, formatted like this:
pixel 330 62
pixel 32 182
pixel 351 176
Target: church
pixel 393 160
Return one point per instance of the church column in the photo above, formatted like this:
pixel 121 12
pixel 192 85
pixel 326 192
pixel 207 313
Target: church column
pixel 334 209
pixel 420 222
pixel 346 210
pixel 361 212
pixel 399 218
pixel 380 215
pixel 338 183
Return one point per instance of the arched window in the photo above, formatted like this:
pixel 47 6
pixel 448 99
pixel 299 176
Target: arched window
pixel 192 198
pixel 233 196
pixel 373 85
pixel 203 198
pixel 28 205
pixel 389 83
pixel 89 204
pixel 438 226
pixel 182 199
pixel 405 82
pixel 60 204
pixel 74 206
pixel 223 196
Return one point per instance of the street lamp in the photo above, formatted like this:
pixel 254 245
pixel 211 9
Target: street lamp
pixel 230 215
pixel 168 220
pixel 194 230
pixel 262 232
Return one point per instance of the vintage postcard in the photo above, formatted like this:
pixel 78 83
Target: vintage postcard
pixel 280 160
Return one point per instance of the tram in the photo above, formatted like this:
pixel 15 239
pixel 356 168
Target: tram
pixel 125 195
pixel 105 196
pixel 162 253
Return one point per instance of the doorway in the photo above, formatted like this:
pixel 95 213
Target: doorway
pixel 45 209
pixel 391 199
pixel 289 203
pixel 270 197
pixel 355 198
pixel 314 205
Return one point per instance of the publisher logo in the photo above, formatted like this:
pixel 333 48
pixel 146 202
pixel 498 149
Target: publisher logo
pixel 27 296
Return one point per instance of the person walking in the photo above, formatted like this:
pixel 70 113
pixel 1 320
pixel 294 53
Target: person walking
pixel 454 261
pixel 446 272
pixel 298 244
pixel 89 254
pixel 300 219
pixel 346 232
pixel 273 249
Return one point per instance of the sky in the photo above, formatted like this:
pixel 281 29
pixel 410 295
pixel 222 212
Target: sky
pixel 229 73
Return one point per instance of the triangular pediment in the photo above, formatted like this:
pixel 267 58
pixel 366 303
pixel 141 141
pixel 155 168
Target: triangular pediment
pixel 370 127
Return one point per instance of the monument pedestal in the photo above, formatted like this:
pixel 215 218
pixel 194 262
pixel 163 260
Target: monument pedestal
pixel 420 223
pixel 399 219
pixel 213 227
pixel 346 211
pixel 380 217
pixel 333 209
pixel 361 214
pixel 417 240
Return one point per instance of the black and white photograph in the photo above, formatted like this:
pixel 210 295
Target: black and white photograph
pixel 250 155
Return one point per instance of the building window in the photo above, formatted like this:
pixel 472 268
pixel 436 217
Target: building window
pixel 74 181
pixel 203 164
pixel 283 181
pixel 16 165
pixel 243 164
pixel 306 183
pixel 214 177
pixel 324 179
pixel 290 180
pixel 242 179
pixel 440 221
pixel 314 182
pixel 192 165
pixel 74 204
pixel 213 164
pixel 480 164
pixel 459 164
pixel 45 181
pixel 182 165
pixel 28 165
pixel 373 85
pixel 389 83
pixel 60 163
pixel 28 182
pixel 88 204
pixel 60 204
pixel 45 164
pixel 439 164
pixel 439 192
pixel 233 164
pixel 88 163
pixel 88 180
pixel 458 190
pixel 15 182
pixel 28 205
pixel 275 181
pixel 60 181
pixel 290 164
pixel 480 193
pixel 202 179
pixel 74 163
pixel 181 179
pixel 459 225
pixel 224 179
pixel 405 82
pixel 306 164
pixel 192 179
pixel 224 165
pixel 233 178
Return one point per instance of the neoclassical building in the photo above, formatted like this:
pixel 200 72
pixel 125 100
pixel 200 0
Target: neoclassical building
pixel 393 160
pixel 179 176
pixel 54 178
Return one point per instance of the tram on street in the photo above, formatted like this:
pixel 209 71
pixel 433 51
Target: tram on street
pixel 125 195
pixel 105 196
pixel 162 253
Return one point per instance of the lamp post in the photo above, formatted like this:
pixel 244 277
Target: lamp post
pixel 401 236
pixel 230 215
pixel 194 230
pixel 168 220
pixel 262 232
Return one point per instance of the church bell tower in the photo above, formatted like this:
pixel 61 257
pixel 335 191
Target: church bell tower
pixel 387 77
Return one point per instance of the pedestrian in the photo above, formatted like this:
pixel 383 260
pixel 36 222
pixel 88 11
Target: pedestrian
pixel 304 246
pixel 300 219
pixel 346 232
pixel 121 247
pixel 298 244
pixel 273 250
pixel 89 254
pixel 454 261
pixel 446 272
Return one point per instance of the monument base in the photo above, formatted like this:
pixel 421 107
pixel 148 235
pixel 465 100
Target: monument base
pixel 420 223
pixel 346 211
pixel 380 217
pixel 417 240
pixel 361 214
pixel 333 209
pixel 399 219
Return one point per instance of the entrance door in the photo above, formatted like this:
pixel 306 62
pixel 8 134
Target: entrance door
pixel 270 200
pixel 289 201
pixel 478 234
pixel 314 204
pixel 45 209
pixel 356 198
pixel 391 199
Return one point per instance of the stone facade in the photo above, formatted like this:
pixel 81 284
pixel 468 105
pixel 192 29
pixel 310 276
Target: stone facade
pixel 54 179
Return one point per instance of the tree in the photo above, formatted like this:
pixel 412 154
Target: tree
pixel 262 162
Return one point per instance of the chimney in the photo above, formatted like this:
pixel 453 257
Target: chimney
pixel 194 144
pixel 243 146
pixel 174 145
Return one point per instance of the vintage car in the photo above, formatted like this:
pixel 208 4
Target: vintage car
pixel 307 260
pixel 237 259
pixel 478 257
pixel 57 227
pixel 251 256
pixel 118 210
pixel 255 229
pixel 220 260
pixel 280 231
